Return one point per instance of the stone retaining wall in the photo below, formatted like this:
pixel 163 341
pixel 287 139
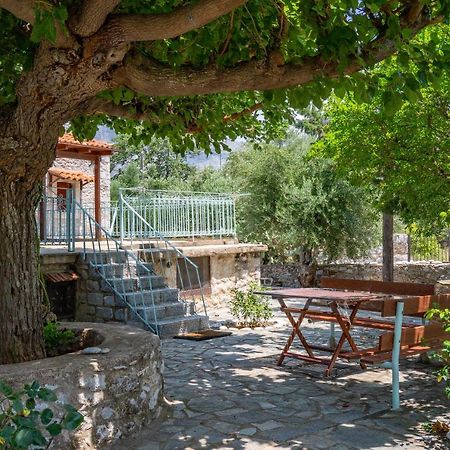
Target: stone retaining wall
pixel 413 272
pixel 95 300
pixel 117 392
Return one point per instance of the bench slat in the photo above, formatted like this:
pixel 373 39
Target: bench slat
pixel 385 287
pixel 417 335
pixel 378 358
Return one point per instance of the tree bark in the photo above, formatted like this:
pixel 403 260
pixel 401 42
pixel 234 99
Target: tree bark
pixel 388 247
pixel 21 331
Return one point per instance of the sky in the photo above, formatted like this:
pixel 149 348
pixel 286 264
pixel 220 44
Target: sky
pixel 202 160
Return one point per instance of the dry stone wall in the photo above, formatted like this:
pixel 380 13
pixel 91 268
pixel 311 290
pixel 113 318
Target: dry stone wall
pixel 430 273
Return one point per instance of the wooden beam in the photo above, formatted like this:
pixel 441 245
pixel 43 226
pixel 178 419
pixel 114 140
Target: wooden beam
pixel 74 155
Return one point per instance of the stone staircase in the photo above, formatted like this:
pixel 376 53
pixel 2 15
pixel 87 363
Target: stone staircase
pixel 150 303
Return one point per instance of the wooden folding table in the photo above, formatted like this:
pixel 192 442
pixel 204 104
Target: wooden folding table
pixel 336 306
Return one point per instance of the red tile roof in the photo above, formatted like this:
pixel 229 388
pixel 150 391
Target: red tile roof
pixel 72 175
pixel 68 139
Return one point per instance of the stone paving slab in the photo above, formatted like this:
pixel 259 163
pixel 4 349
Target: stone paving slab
pixel 228 393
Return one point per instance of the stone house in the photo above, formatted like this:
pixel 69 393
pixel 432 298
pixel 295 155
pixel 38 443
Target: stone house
pixel 205 254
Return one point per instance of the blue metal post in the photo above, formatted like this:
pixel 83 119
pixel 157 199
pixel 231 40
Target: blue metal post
pixel 70 221
pixel 396 356
pixel 332 338
pixel 121 218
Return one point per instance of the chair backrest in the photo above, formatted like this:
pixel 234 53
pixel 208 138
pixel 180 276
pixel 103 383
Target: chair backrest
pixel 385 287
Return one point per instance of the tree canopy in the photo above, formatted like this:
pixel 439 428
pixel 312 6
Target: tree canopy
pixel 401 156
pixel 197 71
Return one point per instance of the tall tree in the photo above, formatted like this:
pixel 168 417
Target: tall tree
pixel 402 157
pixel 195 71
pixel 299 206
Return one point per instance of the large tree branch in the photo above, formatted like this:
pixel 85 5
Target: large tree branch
pixel 22 9
pixel 154 79
pixel 103 106
pixel 151 27
pixel 91 15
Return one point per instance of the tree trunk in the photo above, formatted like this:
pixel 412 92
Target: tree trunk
pixel 21 330
pixel 388 247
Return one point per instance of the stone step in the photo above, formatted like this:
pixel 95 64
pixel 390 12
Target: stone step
pixel 133 284
pixel 178 325
pixel 146 298
pixel 106 257
pixel 143 268
pixel 112 270
pixel 163 311
pixel 126 270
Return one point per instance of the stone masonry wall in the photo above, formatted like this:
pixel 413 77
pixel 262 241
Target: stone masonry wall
pixel 430 273
pixel 87 192
pixel 230 271
pixel 117 392
pixel 95 300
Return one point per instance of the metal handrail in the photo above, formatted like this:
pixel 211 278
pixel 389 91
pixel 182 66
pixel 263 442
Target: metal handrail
pixel 98 257
pixel 143 227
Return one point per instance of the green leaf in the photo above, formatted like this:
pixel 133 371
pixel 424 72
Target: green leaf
pixel 6 389
pixel 24 437
pixel 46 416
pixel 54 429
pixel 39 439
pixel 47 395
pixel 73 418
pixel 30 403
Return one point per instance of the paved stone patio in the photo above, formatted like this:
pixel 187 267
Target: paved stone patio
pixel 228 393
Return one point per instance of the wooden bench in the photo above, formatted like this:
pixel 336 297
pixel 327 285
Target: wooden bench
pixel 414 339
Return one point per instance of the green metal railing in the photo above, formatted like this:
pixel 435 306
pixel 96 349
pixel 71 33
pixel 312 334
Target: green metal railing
pixel 429 248
pixel 130 279
pixel 167 260
pixel 181 214
pixel 171 214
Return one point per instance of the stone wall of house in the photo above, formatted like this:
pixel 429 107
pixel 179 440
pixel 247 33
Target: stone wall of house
pixel 87 194
pixel 412 272
pixel 117 392
pixel 95 301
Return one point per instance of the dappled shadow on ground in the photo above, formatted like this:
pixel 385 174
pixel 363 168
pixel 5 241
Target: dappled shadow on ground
pixel 229 393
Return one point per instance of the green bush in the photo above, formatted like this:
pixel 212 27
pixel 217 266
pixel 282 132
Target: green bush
pixel 249 308
pixel 25 424
pixel 54 338
pixel 443 375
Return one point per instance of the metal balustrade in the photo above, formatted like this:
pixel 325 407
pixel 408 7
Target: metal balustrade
pixel 167 260
pixel 171 214
pixel 130 279
pixel 181 214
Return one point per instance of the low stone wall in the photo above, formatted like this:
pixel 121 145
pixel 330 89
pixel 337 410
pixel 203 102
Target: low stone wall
pixel 232 271
pixel 413 272
pixel 117 392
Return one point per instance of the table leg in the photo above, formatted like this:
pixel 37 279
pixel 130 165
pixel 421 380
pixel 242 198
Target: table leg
pixel 345 336
pixel 295 331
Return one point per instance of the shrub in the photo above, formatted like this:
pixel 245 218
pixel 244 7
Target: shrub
pixel 55 338
pixel 26 419
pixel 249 308
pixel 443 375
